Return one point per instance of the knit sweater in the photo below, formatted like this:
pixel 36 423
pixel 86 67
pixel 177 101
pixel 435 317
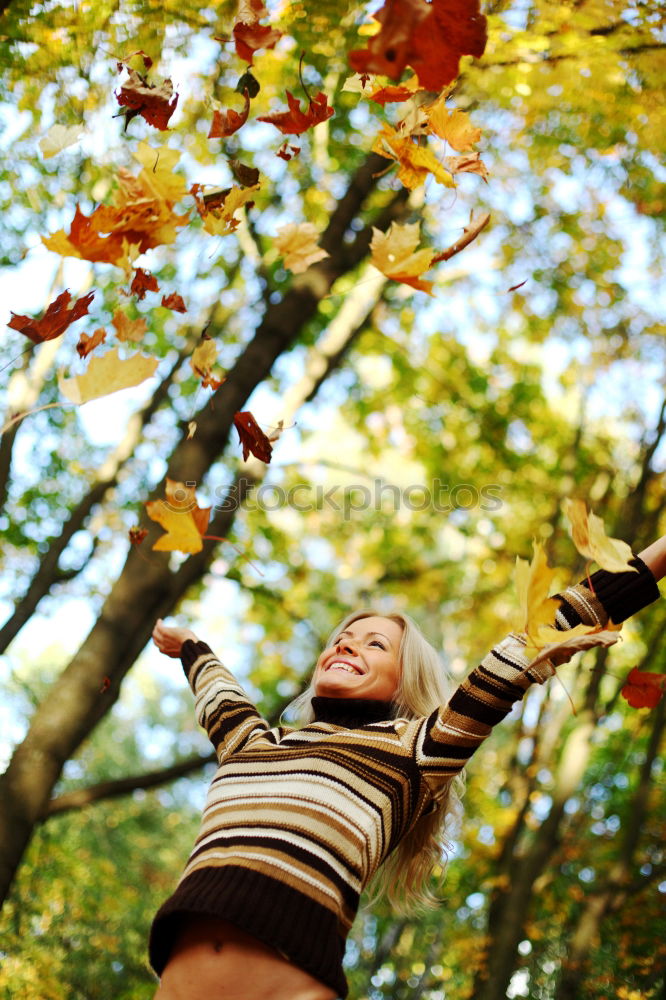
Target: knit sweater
pixel 297 821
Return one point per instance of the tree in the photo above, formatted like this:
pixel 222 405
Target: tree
pixel 420 392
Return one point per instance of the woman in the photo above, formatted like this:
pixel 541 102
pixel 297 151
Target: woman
pixel 299 821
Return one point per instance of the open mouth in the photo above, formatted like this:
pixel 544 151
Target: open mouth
pixel 349 668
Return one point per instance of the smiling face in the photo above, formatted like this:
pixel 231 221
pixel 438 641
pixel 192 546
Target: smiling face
pixel 362 662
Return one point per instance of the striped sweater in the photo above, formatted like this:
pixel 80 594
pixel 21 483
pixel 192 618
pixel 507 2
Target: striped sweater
pixel 297 821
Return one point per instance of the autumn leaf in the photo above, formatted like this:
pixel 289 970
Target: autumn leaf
pixel 574 643
pixel 392 95
pixel 184 521
pixel 56 319
pixel 643 689
pixel 219 214
pixel 284 154
pixel 59 137
pixel 225 123
pixel 128 329
pixel 469 163
pixel 175 302
pixel 416 163
pixel 295 121
pixel 252 438
pixel 107 374
pixel 136 535
pixel 533 584
pixel 203 358
pixel 249 35
pixel 429 37
pixel 394 253
pixel 155 102
pixel 454 126
pixel 87 343
pixel 245 175
pixel 297 245
pixel 143 282
pixel 589 537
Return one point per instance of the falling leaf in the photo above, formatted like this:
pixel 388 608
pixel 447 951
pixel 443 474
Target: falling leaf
pixel 295 121
pixel 191 429
pixel 56 319
pixel 468 163
pixel 249 35
pixel 514 288
pixel 246 176
pixel 392 95
pixel 143 282
pixel 644 689
pixel 416 162
pixel 59 137
pixel 184 521
pixel 128 329
pixel 252 438
pixel 137 535
pixel 454 126
pixel 589 537
pixel 203 358
pixel 429 37
pixel 219 215
pixel 225 123
pixel 87 343
pixel 107 374
pixel 297 245
pixel 284 155
pixel 175 302
pixel 394 253
pixel 359 83
pixel 155 102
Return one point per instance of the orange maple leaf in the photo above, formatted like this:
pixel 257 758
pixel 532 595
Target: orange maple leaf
pixel 252 438
pixel 126 328
pixel 643 689
pixel 155 102
pixel 225 123
pixel 174 301
pixel 184 521
pixel 143 282
pixel 429 37
pixel 87 343
pixel 295 121
pixel 415 162
pixel 56 319
pixel 249 35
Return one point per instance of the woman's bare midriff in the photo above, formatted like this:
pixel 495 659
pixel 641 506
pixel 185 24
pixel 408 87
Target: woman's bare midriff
pixel 213 960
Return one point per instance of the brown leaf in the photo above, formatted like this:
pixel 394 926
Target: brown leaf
pixel 128 329
pixel 155 102
pixel 174 301
pixel 143 282
pixel 252 438
pixel 87 343
pixel 56 319
pixel 225 123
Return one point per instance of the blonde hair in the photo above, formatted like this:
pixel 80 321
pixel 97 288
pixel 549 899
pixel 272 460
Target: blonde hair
pixel 405 878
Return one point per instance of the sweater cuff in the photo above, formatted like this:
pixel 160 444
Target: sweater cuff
pixel 190 651
pixel 623 594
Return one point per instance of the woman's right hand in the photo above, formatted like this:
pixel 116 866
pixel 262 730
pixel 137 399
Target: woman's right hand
pixel 169 639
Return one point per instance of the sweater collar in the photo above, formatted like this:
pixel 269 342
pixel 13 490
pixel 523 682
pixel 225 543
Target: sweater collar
pixel 351 712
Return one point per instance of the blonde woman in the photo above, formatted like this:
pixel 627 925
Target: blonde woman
pixel 299 821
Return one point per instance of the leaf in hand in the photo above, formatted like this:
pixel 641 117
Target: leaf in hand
pixel 295 121
pixel 394 253
pixel 574 644
pixel 533 583
pixel 297 245
pixel 56 319
pixel 107 374
pixel 644 689
pixel 252 438
pixel 183 520
pixel 590 538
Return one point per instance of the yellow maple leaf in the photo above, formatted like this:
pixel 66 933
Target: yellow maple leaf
pixel 128 329
pixel 394 253
pixel 203 358
pixel 416 162
pixel 297 245
pixel 184 521
pixel 454 126
pixel 107 374
pixel 59 137
pixel 590 538
pixel 158 177
pixel 221 220
pixel 533 583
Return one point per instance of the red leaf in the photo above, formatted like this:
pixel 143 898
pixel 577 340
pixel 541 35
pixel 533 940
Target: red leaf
pixel 429 37
pixel 143 282
pixel 174 301
pixel 391 95
pixel 227 122
pixel 643 689
pixel 284 154
pixel 87 344
pixel 154 102
pixel 252 438
pixel 137 535
pixel 250 37
pixel 55 320
pixel 294 121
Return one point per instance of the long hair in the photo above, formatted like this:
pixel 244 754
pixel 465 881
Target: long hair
pixel 405 878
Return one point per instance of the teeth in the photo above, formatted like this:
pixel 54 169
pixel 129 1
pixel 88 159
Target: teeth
pixel 338 665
